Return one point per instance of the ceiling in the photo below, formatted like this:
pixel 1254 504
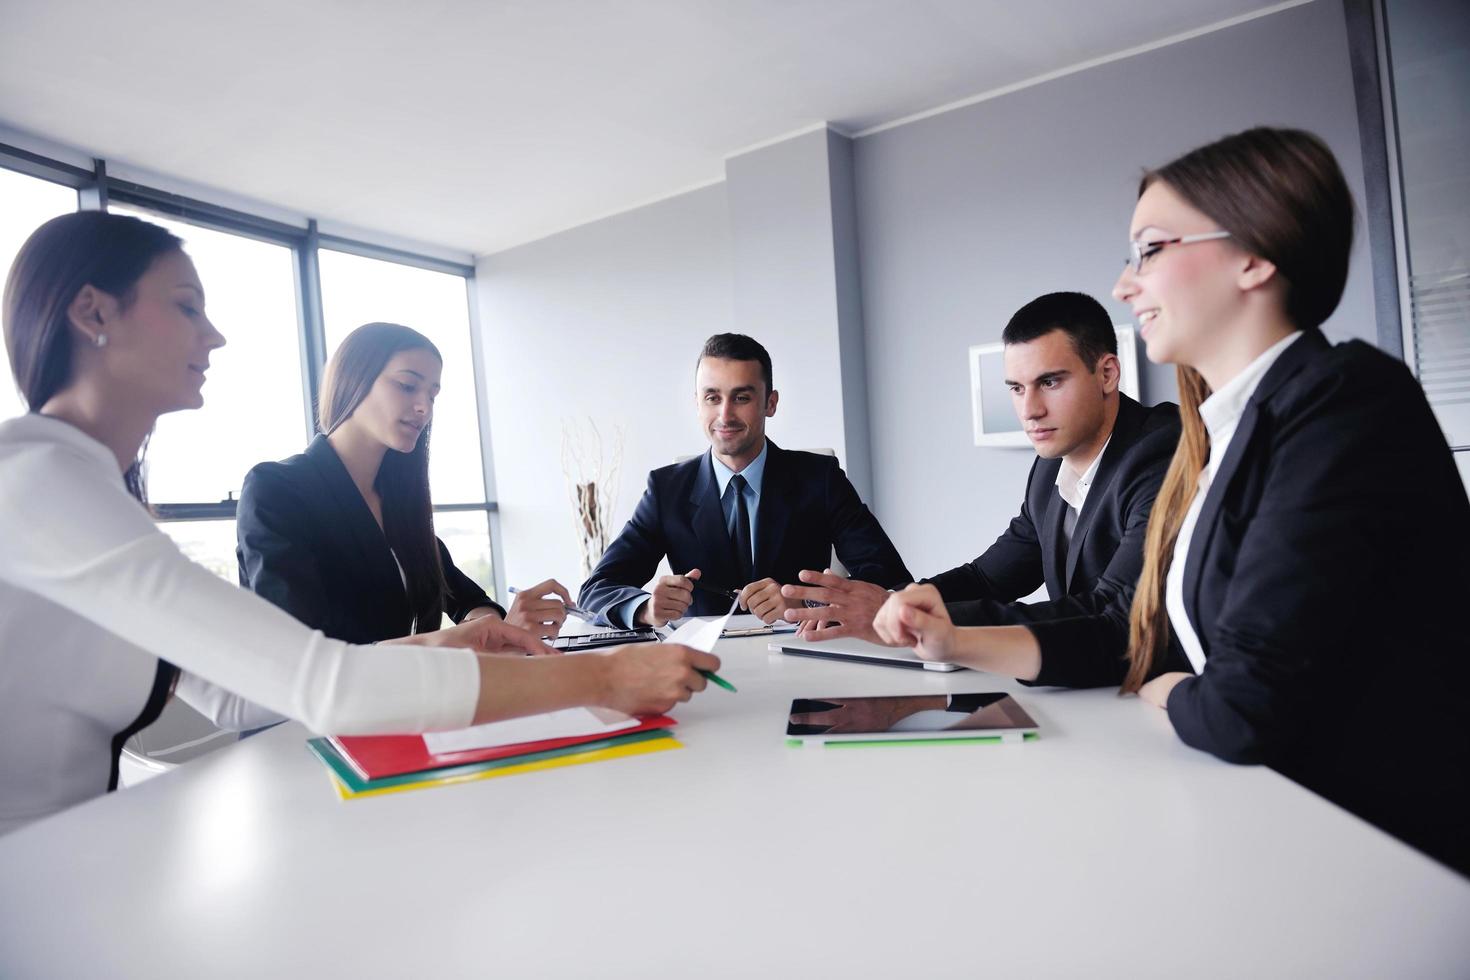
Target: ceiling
pixel 479 125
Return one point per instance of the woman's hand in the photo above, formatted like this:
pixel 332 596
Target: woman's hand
pixel 535 610
pixel 650 678
pixel 1156 691
pixel 487 634
pixel 916 618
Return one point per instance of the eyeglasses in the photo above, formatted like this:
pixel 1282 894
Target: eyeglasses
pixel 1138 251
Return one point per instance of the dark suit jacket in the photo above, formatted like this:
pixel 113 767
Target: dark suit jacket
pixel 1327 580
pixel 807 507
pixel 308 542
pixel 1107 543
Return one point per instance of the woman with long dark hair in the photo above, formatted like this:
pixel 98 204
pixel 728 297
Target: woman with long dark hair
pixel 100 613
pixel 1305 566
pixel 342 536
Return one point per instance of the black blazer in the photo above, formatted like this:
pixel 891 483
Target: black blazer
pixel 1327 579
pixel 807 507
pixel 308 542
pixel 1107 542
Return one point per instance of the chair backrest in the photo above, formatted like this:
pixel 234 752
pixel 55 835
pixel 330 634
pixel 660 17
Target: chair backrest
pixel 179 734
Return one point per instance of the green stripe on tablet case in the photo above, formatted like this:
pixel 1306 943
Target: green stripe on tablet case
pixel 989 739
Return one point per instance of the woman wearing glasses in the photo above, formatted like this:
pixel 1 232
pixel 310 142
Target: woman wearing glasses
pixel 101 616
pixel 1306 560
pixel 342 535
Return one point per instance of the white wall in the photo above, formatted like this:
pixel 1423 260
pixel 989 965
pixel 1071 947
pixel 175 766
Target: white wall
pixel 607 320
pixel 965 216
pixel 960 219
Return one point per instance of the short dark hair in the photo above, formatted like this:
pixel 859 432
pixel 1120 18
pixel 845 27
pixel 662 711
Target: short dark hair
pixel 1077 315
pixel 738 347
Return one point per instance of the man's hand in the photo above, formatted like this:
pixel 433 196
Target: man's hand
pixel 672 596
pixel 536 611
pixel 849 609
pixel 765 600
pixel 916 617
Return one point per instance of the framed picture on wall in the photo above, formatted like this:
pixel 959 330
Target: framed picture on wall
pixel 993 414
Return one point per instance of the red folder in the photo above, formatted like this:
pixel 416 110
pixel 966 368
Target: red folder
pixel 377 756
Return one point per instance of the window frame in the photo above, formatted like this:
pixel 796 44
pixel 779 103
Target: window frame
pixel 96 189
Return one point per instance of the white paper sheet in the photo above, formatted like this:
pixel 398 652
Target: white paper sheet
pixel 702 634
pixel 569 723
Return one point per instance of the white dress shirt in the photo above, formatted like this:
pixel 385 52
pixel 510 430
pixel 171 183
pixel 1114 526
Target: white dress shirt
pixel 1221 413
pixel 1073 489
pixel 92 594
pixel 754 474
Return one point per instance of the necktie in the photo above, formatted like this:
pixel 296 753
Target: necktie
pixel 743 560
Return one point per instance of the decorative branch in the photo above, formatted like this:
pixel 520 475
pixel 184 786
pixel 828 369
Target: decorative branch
pixel 592 486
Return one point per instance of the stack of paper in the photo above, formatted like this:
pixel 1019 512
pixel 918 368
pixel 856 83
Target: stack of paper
pixel 369 765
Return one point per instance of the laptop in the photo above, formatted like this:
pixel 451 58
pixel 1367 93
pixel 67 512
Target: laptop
pixel 860 651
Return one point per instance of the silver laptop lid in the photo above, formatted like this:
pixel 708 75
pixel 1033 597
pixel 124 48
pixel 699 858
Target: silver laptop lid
pixel 860 651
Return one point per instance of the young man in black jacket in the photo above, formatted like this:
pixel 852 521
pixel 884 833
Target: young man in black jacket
pixel 1100 458
pixel 740 520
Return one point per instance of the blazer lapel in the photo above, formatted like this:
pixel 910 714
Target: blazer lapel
pixel 1054 544
pixel 773 514
pixel 1125 429
pixel 1310 345
pixel 707 520
pixel 354 522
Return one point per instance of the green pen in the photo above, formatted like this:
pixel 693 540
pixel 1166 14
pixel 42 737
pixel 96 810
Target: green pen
pixel 711 675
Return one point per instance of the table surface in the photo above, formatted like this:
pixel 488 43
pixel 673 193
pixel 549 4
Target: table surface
pixel 1104 848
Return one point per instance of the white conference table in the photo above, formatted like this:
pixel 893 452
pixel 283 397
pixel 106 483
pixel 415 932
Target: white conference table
pixel 1105 848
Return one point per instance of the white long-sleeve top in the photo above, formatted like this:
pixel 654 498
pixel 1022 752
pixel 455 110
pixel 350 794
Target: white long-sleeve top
pixel 92 594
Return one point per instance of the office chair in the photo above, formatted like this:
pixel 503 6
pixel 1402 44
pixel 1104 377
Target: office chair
pixel 179 734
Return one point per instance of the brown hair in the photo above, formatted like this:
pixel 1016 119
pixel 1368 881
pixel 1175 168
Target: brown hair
pixel 109 252
pixel 1282 196
pixel 403 478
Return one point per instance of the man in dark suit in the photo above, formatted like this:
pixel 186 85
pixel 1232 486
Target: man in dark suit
pixel 739 520
pixel 1100 458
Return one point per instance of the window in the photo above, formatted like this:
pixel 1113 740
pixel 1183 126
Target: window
pixel 210 543
pixel 25 203
pixel 260 277
pixel 254 403
pixel 1428 48
pixel 358 290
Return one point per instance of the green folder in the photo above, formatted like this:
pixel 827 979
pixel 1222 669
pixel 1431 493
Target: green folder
pixel 329 756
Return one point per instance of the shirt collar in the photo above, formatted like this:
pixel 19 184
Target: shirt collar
pixel 1223 408
pixel 753 473
pixel 1073 488
pixel 36 427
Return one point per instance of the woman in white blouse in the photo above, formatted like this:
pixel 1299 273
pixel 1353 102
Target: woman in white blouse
pixel 1305 566
pixel 101 616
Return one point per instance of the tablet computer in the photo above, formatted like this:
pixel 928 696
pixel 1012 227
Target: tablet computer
pixel 991 715
pixel 860 651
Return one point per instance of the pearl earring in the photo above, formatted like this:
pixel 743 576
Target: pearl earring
pixel 100 340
